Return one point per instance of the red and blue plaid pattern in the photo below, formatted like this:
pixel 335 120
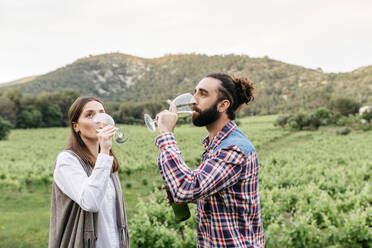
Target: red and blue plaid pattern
pixel 224 186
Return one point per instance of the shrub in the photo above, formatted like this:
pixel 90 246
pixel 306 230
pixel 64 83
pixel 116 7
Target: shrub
pixel 5 127
pixel 343 131
pixel 29 119
pixel 7 109
pixel 281 120
pixel 322 117
pixel 155 226
pixel 347 121
pixel 117 117
pixel 52 116
pixel 300 121
pixel 344 106
pixel 367 115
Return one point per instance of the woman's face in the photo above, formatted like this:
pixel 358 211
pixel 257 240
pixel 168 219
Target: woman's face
pixel 85 123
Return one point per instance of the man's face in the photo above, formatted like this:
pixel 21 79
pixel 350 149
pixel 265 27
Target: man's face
pixel 205 108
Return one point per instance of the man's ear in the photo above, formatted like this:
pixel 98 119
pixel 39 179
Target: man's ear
pixel 223 106
pixel 75 126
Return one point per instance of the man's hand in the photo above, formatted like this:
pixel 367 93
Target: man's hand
pixel 167 119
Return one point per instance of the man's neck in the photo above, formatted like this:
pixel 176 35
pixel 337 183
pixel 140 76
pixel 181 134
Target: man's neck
pixel 216 126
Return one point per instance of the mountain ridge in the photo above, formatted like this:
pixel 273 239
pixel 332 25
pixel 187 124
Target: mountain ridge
pixel 280 86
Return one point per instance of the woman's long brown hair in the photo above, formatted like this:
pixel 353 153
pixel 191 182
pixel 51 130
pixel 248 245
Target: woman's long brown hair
pixel 75 143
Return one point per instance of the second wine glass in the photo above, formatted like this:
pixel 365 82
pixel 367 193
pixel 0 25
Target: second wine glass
pixel 183 103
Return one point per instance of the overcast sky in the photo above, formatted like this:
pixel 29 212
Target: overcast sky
pixel 38 36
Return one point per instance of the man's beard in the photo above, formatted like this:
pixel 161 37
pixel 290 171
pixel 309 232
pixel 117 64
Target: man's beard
pixel 206 117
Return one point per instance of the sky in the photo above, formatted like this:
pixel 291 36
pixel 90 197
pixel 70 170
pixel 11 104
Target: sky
pixel 39 36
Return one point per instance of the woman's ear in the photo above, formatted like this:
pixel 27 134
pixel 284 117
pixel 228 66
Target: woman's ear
pixel 75 126
pixel 223 106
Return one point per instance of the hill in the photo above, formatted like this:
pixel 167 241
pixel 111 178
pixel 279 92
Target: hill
pixel 19 81
pixel 280 87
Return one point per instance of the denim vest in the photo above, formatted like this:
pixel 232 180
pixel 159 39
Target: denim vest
pixel 237 138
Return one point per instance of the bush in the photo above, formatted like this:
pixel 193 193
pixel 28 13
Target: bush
pixel 5 127
pixel 281 120
pixel 322 116
pixel 155 226
pixel 117 117
pixel 343 131
pixel 367 115
pixel 52 117
pixel 300 121
pixel 347 121
pixel 30 119
pixel 7 109
pixel 344 106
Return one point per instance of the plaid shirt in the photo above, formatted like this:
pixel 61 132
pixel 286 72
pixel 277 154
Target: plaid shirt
pixel 224 186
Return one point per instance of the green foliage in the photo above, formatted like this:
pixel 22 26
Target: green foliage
pixel 13 95
pixel 347 120
pixel 344 106
pixel 52 115
pixel 29 119
pixel 320 117
pixel 367 115
pixel 154 225
pixel 5 127
pixel 300 121
pixel 7 109
pixel 343 131
pixel 46 110
pixel 315 187
pixel 282 120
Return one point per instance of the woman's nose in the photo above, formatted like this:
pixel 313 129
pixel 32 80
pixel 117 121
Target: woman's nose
pixel 100 125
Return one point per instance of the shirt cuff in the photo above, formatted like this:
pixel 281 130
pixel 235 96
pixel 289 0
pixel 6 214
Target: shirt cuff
pixel 165 139
pixel 104 161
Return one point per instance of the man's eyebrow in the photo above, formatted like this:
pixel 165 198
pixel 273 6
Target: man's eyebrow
pixel 201 89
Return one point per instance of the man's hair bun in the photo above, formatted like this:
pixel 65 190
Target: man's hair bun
pixel 245 90
pixel 238 90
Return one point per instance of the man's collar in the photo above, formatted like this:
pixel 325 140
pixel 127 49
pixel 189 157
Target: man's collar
pixel 226 130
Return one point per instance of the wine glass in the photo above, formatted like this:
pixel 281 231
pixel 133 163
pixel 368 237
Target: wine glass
pixel 183 103
pixel 102 119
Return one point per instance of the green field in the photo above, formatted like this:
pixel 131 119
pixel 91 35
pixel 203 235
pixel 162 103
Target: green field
pixel 315 185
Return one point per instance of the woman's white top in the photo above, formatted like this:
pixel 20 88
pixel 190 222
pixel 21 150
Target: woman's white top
pixel 94 194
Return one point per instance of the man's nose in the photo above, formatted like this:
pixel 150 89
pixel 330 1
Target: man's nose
pixel 193 100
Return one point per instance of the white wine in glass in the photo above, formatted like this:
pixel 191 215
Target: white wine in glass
pixel 102 119
pixel 183 103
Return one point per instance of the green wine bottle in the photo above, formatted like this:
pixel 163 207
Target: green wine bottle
pixel 181 210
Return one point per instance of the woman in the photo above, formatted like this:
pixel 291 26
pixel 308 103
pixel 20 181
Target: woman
pixel 87 208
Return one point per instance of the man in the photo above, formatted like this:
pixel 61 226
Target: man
pixel 225 184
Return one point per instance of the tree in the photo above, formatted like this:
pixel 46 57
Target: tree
pixel 52 116
pixel 344 106
pixel 5 127
pixel 8 109
pixel 30 119
pixel 13 95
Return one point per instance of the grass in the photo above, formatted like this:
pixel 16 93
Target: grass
pixel 290 161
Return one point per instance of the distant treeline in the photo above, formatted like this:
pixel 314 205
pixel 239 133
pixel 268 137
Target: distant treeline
pixel 51 109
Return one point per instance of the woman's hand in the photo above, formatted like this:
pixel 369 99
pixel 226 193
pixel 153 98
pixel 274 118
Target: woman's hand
pixel 105 138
